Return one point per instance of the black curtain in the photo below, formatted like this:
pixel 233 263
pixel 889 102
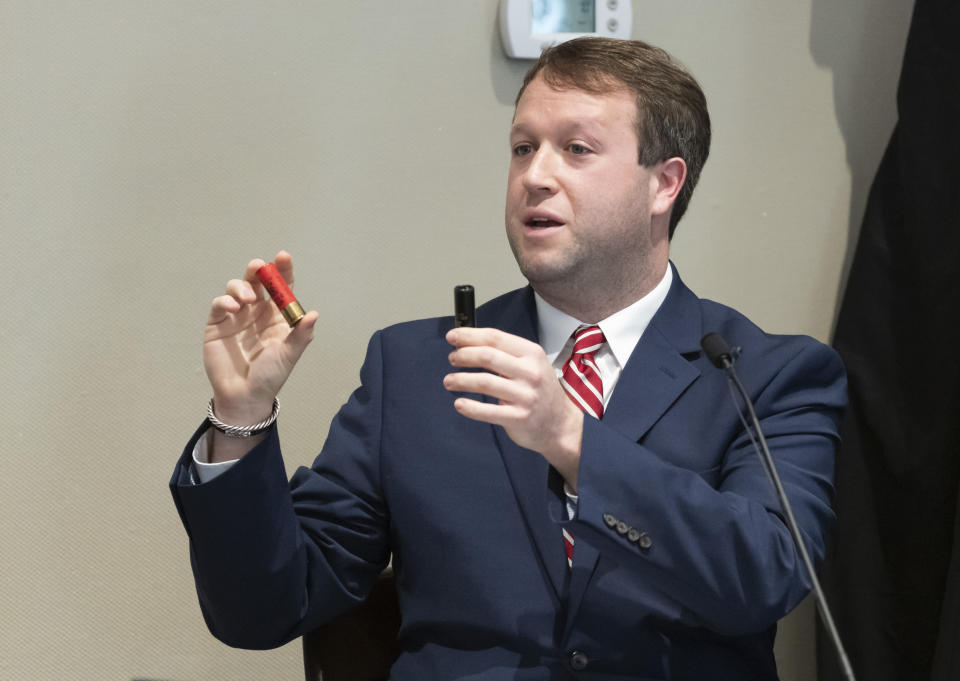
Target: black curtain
pixel 892 573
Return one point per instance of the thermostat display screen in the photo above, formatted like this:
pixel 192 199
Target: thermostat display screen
pixel 563 16
pixel 528 26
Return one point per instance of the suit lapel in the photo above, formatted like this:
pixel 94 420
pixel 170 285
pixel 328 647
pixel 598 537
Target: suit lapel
pixel 528 471
pixel 654 377
pixel 529 475
pixel 657 372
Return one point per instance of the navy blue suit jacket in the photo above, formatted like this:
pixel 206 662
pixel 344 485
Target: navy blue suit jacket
pixel 683 563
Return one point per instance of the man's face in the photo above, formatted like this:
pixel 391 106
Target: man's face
pixel 578 202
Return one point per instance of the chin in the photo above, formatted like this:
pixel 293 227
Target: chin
pixel 540 273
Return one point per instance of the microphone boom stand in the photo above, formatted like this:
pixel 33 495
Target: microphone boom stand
pixel 723 357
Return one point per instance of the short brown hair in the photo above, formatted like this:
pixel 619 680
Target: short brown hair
pixel 672 118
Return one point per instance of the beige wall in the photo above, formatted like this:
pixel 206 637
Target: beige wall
pixel 149 149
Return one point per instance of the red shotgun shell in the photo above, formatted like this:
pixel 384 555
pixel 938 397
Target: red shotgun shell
pixel 272 280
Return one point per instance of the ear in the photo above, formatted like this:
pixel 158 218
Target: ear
pixel 668 178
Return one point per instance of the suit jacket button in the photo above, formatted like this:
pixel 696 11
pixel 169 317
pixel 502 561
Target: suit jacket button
pixel 622 527
pixel 633 535
pixel 578 661
pixel 644 540
pixel 609 520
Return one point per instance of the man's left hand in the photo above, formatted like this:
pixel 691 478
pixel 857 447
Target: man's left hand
pixel 532 405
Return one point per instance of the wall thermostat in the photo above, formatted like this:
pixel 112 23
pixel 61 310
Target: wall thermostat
pixel 529 26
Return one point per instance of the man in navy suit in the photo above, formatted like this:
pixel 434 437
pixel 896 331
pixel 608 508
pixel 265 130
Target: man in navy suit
pixel 465 457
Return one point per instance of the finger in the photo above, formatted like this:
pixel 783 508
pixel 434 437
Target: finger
pixel 497 414
pixel 491 359
pixel 250 275
pixel 242 290
pixel 284 263
pixel 221 307
pixel 515 345
pixel 483 383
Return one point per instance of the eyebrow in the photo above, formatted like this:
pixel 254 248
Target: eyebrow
pixel 575 126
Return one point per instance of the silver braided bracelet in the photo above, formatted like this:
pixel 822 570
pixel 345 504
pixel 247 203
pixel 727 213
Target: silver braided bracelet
pixel 243 431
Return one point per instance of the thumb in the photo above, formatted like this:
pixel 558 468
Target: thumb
pixel 300 335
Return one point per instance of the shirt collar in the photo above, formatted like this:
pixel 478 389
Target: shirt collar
pixel 622 329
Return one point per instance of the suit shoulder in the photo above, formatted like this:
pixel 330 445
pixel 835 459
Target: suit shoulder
pixel 754 341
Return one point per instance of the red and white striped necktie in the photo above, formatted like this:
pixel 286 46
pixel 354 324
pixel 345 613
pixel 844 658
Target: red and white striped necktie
pixel 581 380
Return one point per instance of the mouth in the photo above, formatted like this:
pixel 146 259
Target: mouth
pixel 542 222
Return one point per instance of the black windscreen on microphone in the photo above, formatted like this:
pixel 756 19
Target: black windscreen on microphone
pixel 465 313
pixel 717 349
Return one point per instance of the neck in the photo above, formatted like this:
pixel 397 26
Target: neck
pixel 590 302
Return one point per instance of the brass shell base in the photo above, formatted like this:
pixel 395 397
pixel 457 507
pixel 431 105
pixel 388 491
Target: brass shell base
pixel 293 313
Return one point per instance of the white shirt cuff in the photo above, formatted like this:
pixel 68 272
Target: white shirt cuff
pixel 203 471
pixel 572 500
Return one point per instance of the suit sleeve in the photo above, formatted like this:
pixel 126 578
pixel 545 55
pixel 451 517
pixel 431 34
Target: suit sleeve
pixel 715 541
pixel 272 558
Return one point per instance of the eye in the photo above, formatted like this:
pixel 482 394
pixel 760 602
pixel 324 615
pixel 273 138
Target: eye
pixel 522 149
pixel 578 149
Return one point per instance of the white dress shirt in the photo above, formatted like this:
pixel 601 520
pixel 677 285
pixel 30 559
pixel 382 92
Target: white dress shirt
pixel 622 331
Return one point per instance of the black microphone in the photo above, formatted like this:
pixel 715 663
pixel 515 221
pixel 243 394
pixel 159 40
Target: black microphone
pixel 719 352
pixel 465 312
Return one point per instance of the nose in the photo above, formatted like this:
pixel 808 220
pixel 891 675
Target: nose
pixel 540 174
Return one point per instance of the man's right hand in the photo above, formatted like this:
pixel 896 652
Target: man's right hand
pixel 249 351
